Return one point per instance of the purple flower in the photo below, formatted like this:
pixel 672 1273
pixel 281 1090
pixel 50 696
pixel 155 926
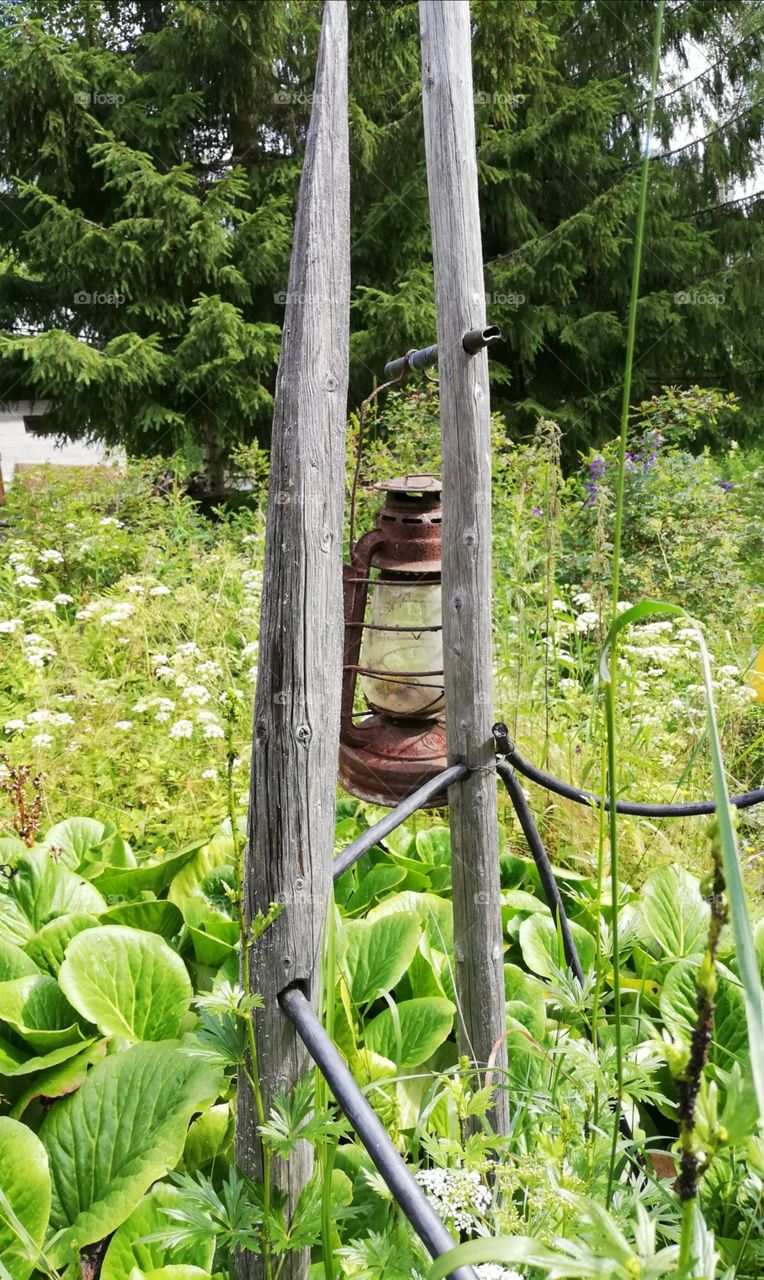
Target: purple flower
pixel 537 511
pixel 597 467
pixel 726 485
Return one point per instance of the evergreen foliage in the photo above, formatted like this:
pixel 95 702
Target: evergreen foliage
pixel 150 161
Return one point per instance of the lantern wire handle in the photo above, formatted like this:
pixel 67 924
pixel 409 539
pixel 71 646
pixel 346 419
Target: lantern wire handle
pixel 384 386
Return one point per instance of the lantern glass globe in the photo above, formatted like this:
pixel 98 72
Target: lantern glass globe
pixel 395 653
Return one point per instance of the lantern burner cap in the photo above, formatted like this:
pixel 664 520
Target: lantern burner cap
pixel 411 484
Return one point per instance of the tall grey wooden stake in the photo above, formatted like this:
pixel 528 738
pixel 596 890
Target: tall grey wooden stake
pixel 449 130
pixel 297 705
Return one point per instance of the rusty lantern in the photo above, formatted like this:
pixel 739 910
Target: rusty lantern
pixel 394 647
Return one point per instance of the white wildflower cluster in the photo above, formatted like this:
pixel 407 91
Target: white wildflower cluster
pixel 43 716
pixel 37 650
pixel 147 587
pixel 192 678
pixel 41 606
pixel 252 586
pixel 162 707
pixel 9 625
pixel 209 670
pixel 457 1194
pixel 182 729
pixel 112 520
pixel 22 570
pixel 197 693
pixel 163 711
pixel 50 556
pixel 249 651
pixel 118 614
pixel 587 621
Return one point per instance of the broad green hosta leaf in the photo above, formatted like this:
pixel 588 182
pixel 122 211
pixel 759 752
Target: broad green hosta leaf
pixel 39 892
pixel 678 1010
pixel 524 995
pixel 38 1012
pixel 434 845
pixel 214 935
pixel 48 947
pixel 24 1197
pixel 162 917
pixel 375 954
pixel 14 963
pixel 125 1250
pixel 210 1140
pixel 127 982
pixel 370 1068
pixel 213 856
pixel 119 1133
pixel 10 848
pixel 59 1081
pixel 542 948
pixel 71 839
pixel 677 999
pixel 673 912
pixel 424 1025
pixel 435 915
pixel 730 1042
pixel 75 841
pixel 154 876
pixel 378 880
pixel 17 1062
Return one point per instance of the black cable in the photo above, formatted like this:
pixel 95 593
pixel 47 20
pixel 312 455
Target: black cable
pixel 419 798
pixel 543 865
pixel 555 904
pixel 367 1125
pixel 693 809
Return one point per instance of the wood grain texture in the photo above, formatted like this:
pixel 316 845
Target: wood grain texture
pixel 297 704
pixel 466 462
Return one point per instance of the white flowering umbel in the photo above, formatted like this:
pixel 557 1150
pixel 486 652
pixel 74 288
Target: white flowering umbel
pixel 458 1195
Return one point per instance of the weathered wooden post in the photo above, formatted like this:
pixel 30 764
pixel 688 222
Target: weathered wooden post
pixel 297 705
pixel 466 463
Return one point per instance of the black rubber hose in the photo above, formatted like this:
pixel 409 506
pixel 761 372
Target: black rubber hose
pixel 386 1158
pixel 397 816
pixel 543 865
pixel 693 809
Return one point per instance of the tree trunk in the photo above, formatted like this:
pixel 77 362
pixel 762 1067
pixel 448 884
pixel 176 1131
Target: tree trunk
pixel 297 706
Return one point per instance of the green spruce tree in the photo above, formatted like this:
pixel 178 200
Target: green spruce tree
pixel 151 154
pixel 148 172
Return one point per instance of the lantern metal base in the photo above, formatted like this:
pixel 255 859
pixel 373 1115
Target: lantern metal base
pixel 385 760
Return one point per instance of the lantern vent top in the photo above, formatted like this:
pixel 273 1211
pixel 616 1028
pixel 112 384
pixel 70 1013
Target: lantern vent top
pixel 411 484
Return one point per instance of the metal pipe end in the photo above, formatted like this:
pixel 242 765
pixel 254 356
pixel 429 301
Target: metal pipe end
pixel 504 744
pixel 477 339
